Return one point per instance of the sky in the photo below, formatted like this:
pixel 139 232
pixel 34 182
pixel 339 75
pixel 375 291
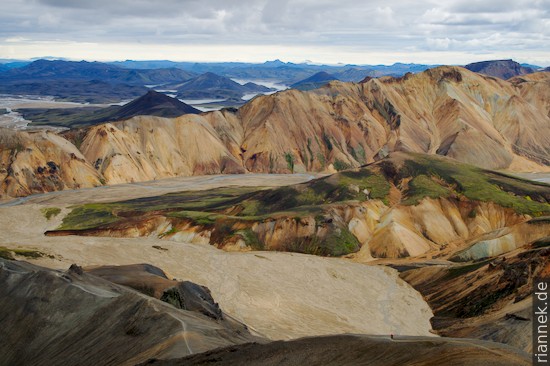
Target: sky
pixel 318 31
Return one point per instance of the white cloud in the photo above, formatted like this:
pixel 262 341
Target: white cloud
pixel 345 30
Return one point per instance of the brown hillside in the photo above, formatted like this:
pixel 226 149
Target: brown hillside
pixel 448 111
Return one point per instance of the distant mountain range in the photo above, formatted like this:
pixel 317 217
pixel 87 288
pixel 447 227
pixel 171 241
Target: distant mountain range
pixel 97 82
pixel 210 85
pixel 92 82
pixel 314 82
pixel 83 70
pixel 286 72
pixel 151 104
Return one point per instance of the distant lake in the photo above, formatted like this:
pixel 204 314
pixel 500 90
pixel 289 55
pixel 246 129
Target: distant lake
pixel 15 120
pixel 277 84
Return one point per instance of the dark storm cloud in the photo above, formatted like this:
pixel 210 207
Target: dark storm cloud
pixel 457 25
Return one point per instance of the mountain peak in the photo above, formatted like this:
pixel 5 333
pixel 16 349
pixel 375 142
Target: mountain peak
pixel 315 81
pixel 156 104
pixel 504 69
pixel 275 62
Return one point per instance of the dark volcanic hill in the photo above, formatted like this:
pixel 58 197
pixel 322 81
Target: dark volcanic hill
pixel 154 104
pixel 314 82
pixel 504 69
pixel 151 104
pixel 210 85
pixel 74 318
pixel 353 350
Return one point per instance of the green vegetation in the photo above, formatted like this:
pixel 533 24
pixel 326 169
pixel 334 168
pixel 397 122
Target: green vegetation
pixel 322 160
pixel 231 211
pixel 481 185
pixel 423 186
pixel 311 155
pixel 328 143
pixel 251 239
pixel 8 253
pixel 67 117
pixel 290 161
pixel 359 154
pixel 376 184
pixel 89 216
pixel 198 217
pixel 340 165
pixel 339 242
pixel 387 110
pixel 173 230
pixel 50 212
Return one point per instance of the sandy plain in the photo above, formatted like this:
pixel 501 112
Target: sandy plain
pixel 278 295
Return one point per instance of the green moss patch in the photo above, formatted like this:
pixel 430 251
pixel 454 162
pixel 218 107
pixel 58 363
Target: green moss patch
pixel 89 216
pixel 423 186
pixel 50 212
pixel 481 185
pixel 231 211
pixel 251 239
pixel 339 242
pixel 10 253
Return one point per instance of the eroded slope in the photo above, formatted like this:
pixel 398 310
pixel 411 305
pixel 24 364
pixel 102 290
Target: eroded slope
pixel 447 111
pixel 70 317
pixel 405 205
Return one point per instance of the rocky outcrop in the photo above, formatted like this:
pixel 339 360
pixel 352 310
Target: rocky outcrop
pixel 489 299
pixel 75 318
pixel 152 281
pixel 504 69
pixel 35 162
pixel 504 239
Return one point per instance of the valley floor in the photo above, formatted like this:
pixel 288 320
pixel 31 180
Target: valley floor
pixel 278 295
pixel 158 187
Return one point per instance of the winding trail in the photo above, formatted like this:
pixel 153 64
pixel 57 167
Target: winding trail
pixel 184 326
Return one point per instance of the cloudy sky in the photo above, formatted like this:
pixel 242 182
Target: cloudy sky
pixel 324 31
